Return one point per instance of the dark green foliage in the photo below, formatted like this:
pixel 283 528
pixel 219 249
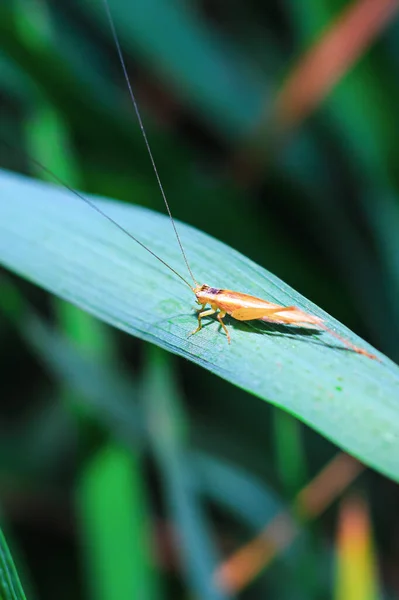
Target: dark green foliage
pixel 79 401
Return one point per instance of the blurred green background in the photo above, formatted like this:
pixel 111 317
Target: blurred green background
pixel 126 473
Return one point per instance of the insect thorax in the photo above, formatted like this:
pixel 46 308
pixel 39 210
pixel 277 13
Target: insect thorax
pixel 205 293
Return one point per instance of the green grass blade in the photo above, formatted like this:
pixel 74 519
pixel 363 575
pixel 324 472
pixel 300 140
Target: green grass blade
pixel 10 585
pixel 167 423
pixel 114 526
pixel 56 241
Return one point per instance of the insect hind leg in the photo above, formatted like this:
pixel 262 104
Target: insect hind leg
pixel 220 317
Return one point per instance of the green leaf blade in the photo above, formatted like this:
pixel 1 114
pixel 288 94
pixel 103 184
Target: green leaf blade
pixel 56 241
pixel 10 585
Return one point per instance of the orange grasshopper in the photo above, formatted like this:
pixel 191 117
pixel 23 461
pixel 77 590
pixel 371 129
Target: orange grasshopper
pixel 244 307
pixel 237 305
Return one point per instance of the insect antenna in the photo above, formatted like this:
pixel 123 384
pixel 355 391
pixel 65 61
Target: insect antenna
pixel 140 121
pixel 101 212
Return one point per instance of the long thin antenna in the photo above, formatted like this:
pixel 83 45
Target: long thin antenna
pixel 137 111
pixel 95 207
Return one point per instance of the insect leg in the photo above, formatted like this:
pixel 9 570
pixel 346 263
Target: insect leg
pixel 220 318
pixel 201 315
